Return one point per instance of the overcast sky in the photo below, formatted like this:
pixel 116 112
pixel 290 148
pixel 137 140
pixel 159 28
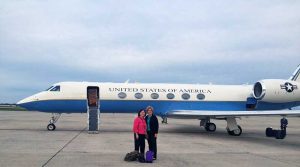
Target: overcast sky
pixel 223 42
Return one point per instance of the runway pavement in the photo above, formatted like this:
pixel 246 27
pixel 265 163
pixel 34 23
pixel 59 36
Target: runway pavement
pixel 25 141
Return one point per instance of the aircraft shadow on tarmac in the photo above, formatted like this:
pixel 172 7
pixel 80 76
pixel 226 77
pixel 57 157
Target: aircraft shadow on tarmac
pixel 251 136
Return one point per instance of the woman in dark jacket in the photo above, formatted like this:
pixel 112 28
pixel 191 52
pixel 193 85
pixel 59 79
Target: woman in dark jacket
pixel 152 130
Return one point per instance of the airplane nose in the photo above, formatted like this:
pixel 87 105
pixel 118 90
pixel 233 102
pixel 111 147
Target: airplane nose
pixel 20 102
pixel 26 103
pixel 30 103
pixel 23 101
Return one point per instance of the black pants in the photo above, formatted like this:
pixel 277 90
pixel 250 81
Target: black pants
pixel 152 143
pixel 139 145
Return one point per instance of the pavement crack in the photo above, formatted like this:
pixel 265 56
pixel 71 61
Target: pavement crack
pixel 63 147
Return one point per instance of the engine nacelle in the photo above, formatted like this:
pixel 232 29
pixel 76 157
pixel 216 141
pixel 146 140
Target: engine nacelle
pixel 276 91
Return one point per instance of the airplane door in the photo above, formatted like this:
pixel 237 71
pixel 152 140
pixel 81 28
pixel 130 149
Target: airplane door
pixel 93 108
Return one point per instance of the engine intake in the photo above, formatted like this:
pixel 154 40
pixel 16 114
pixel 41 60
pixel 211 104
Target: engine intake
pixel 276 91
pixel 259 90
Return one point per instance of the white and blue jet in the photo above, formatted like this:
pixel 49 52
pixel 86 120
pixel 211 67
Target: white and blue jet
pixel 184 101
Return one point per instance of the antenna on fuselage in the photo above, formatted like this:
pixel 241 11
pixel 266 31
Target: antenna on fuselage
pixel 127 81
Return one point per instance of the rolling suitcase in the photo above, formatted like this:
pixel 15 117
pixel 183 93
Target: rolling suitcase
pixel 149 156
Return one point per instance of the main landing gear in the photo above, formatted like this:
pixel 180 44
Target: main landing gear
pixel 164 120
pixel 209 127
pixel 51 126
pixel 233 128
pixel 236 132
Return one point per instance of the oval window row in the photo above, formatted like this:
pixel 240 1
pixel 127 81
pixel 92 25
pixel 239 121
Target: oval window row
pixel 170 96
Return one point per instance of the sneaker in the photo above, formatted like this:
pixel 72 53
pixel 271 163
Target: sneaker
pixel 154 158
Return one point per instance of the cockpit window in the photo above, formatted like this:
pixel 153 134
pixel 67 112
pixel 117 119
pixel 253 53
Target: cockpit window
pixel 49 88
pixel 56 89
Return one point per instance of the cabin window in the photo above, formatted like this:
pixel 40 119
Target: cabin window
pixel 55 89
pixel 122 95
pixel 200 96
pixel 154 96
pixel 49 88
pixel 138 95
pixel 170 96
pixel 185 96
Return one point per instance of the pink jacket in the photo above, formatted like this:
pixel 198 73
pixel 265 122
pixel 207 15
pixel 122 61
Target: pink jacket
pixel 139 125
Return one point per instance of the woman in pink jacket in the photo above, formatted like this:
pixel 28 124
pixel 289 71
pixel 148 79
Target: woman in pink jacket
pixel 139 129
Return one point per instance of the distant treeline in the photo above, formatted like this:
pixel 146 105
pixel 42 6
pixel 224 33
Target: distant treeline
pixel 4 105
pixel 10 107
pixel 7 104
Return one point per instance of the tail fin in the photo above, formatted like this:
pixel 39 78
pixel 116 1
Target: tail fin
pixel 295 76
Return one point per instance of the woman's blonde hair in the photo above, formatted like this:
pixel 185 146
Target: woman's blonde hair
pixel 149 107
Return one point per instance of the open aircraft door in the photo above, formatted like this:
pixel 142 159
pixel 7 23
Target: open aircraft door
pixel 93 105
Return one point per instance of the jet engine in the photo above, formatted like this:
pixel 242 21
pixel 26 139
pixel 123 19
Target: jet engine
pixel 276 91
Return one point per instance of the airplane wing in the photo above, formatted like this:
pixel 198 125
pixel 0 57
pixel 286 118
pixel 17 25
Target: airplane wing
pixel 199 114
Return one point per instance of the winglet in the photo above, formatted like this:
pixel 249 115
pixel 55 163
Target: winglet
pixel 295 76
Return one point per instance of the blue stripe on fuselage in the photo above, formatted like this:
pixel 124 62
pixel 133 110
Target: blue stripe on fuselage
pixel 131 106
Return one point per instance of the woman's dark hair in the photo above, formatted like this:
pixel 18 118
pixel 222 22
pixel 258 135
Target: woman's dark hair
pixel 139 113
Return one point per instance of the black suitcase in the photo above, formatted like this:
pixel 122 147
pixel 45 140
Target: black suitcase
pixel 278 134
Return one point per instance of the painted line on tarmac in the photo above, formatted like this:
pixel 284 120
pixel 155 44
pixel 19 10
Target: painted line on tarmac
pixel 63 147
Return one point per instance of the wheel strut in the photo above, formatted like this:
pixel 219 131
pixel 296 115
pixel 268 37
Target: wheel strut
pixel 51 126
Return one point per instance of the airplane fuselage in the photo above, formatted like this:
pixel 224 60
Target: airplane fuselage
pixel 71 97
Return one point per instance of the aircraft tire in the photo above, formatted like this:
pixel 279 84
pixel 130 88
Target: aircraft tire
pixel 51 127
pixel 235 132
pixel 210 127
pixel 229 132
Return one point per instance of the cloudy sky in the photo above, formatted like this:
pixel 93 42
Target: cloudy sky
pixel 223 42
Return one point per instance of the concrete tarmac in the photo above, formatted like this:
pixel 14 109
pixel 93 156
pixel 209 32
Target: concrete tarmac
pixel 25 141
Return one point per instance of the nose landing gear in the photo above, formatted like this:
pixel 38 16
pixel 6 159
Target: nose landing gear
pixel 51 126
